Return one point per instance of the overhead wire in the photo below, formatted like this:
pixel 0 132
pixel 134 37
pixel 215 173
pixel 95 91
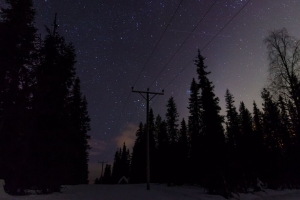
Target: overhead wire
pixel 126 101
pixel 184 41
pixel 180 48
pixel 210 41
pixel 156 45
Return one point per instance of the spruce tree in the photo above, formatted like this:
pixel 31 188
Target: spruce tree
pixel 233 144
pixel 172 120
pixel 247 145
pixel 152 148
pixel 213 134
pixel 259 147
pixel 183 153
pixel 116 168
pixel 54 80
pixel 124 162
pixel 78 146
pixel 232 126
pixel 17 41
pixel 107 174
pixel 172 130
pixel 272 129
pixel 194 128
pixel 138 160
pixel 162 150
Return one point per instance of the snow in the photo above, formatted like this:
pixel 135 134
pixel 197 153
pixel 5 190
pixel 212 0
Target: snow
pixel 138 191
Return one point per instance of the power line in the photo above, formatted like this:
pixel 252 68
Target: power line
pixel 209 42
pixel 158 42
pixel 172 56
pixel 226 25
pixel 147 63
pixel 184 42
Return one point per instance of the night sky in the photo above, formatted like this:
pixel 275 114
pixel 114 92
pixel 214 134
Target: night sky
pixel 115 38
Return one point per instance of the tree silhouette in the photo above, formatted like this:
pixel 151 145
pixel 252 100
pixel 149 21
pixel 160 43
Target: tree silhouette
pixel 194 128
pixel 284 57
pixel 138 160
pixel 172 130
pixel 212 130
pixel 17 41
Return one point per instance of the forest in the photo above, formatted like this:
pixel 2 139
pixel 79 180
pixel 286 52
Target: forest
pixel 243 151
pixel 43 115
pixel 44 121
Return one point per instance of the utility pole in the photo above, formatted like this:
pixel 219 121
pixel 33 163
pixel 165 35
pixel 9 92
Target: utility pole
pixel 147 114
pixel 103 162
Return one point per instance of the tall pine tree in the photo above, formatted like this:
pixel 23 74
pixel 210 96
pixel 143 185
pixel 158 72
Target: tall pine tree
pixel 172 130
pixel 54 80
pixel 213 134
pixel 17 41
pixel 194 128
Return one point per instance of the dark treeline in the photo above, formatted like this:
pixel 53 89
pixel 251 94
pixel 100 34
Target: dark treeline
pixel 238 152
pixel 43 114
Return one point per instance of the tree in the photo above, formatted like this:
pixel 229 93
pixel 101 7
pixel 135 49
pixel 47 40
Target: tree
pixel 246 150
pixel 54 80
pixel 284 67
pixel 125 162
pixel 172 120
pixel 107 174
pixel 194 128
pixel 258 135
pixel 116 171
pixel 212 130
pixel 162 150
pixel 138 160
pixel 172 130
pixel 183 153
pixel 17 41
pixel 152 148
pixel 232 126
pixel 233 143
pixel 77 145
pixel 272 129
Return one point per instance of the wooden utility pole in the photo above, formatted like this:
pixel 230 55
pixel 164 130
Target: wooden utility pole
pixel 147 114
pixel 103 162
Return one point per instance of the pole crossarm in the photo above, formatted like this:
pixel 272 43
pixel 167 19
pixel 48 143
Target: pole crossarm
pixel 147 114
pixel 147 92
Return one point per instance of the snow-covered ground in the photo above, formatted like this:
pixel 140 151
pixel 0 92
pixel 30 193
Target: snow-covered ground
pixel 138 191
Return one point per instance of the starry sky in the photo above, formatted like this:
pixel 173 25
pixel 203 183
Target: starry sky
pixel 146 44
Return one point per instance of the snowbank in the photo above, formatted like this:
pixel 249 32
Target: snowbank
pixel 138 191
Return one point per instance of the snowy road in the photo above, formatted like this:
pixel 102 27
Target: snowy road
pixel 157 192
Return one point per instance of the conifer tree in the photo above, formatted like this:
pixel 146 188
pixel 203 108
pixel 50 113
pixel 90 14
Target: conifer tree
pixel 152 148
pixel 183 153
pixel 212 130
pixel 125 162
pixel 172 130
pixel 54 80
pixel 17 41
pixel 259 147
pixel 77 148
pixel 285 126
pixel 107 174
pixel 233 140
pixel 232 126
pixel 194 128
pixel 162 150
pixel 172 120
pixel 272 129
pixel 247 144
pixel 138 160
pixel 116 175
